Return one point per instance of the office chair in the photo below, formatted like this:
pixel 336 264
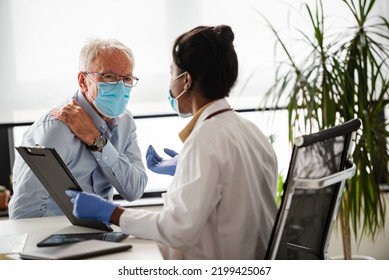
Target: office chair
pixel 319 166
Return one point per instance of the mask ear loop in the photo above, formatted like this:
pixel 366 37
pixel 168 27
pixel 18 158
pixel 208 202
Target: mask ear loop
pixel 89 96
pixel 183 73
pixel 180 94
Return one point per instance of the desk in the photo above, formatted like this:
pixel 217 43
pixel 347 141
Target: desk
pixel 40 228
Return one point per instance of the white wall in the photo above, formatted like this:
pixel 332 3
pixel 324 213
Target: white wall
pixel 41 40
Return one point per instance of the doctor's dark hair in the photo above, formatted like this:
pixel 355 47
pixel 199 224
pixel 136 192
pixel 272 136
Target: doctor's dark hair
pixel 208 54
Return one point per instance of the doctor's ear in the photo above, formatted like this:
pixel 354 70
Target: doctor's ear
pixel 188 81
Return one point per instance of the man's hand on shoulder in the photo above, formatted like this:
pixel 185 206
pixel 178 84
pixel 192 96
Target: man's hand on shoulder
pixel 78 120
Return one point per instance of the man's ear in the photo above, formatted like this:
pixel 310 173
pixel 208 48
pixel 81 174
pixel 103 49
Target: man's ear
pixel 82 82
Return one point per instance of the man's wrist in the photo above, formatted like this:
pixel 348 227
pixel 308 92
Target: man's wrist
pixel 92 139
pixel 98 143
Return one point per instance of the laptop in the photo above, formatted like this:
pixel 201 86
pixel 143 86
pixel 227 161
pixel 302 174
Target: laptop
pixel 55 176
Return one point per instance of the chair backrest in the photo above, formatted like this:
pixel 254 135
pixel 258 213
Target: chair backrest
pixel 312 192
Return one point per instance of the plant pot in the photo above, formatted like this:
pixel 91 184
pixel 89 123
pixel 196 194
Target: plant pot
pixel 353 257
pixel 4 199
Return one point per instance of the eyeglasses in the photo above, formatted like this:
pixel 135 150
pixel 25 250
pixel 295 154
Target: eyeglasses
pixel 110 78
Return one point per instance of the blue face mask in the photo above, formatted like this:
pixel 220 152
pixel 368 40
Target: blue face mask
pixel 174 101
pixel 112 99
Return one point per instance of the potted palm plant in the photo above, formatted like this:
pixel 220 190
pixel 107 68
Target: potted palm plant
pixel 4 197
pixel 342 76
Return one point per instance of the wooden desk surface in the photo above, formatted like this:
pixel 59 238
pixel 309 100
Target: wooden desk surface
pixel 40 228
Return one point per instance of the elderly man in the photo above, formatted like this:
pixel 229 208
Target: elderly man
pixel 93 133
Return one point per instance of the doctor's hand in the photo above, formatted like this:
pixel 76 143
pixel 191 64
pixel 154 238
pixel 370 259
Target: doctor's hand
pixel 159 165
pixel 91 206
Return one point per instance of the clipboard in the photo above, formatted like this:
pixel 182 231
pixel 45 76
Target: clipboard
pixel 52 172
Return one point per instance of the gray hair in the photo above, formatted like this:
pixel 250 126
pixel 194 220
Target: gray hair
pixel 96 46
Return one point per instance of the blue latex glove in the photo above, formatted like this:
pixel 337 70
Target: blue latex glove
pixel 159 165
pixel 91 206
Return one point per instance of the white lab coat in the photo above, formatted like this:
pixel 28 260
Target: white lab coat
pixel 221 202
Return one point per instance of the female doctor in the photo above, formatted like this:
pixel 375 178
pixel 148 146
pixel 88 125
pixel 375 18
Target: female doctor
pixel 221 202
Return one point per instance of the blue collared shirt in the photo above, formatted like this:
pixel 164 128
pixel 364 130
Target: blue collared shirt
pixel 118 166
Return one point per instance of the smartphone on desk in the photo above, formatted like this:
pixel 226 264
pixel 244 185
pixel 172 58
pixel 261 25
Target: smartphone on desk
pixel 66 238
